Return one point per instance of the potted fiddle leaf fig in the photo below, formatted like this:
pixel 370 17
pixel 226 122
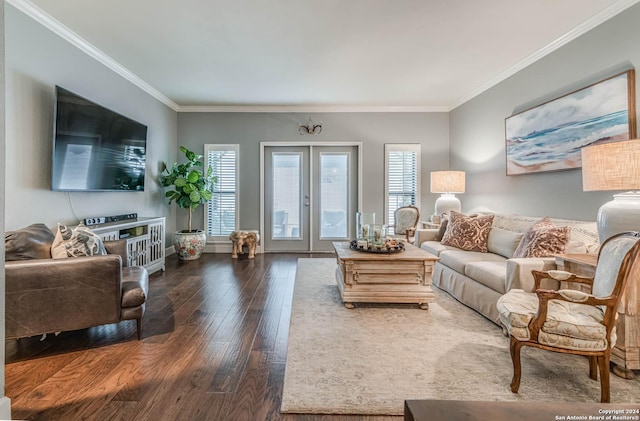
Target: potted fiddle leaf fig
pixel 189 187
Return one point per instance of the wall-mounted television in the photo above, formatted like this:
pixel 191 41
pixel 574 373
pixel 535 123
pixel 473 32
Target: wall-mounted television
pixel 94 148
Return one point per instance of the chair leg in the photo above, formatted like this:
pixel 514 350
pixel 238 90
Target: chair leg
pixel 139 327
pixel 593 368
pixel 514 348
pixel 603 365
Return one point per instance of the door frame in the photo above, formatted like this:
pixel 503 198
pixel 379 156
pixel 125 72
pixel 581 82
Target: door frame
pixel 310 144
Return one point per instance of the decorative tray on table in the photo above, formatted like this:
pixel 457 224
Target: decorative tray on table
pixel 386 248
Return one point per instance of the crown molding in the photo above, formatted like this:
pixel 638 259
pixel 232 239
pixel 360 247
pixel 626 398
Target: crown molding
pixel 606 14
pixel 55 26
pixel 306 109
pixel 40 16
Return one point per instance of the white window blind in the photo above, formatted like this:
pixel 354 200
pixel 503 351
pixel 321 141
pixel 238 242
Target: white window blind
pixel 402 177
pixel 221 216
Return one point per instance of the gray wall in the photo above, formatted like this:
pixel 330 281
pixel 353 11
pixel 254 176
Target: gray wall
pixel 372 129
pixel 36 61
pixel 477 127
pixel 5 410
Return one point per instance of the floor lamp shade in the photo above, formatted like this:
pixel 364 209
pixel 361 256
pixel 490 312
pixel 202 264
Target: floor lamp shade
pixel 448 183
pixel 614 166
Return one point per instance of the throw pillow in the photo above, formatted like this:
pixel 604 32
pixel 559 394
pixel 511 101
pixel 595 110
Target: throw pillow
pixel 467 232
pixel 75 242
pixel 444 222
pixel 503 242
pixel 543 239
pixel 32 242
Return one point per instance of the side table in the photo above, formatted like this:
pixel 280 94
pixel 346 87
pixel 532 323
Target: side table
pixel 626 353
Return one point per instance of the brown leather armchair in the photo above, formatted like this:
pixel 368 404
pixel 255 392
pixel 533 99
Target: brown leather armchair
pixel 45 295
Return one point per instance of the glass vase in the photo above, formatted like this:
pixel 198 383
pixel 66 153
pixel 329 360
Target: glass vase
pixel 377 234
pixel 363 221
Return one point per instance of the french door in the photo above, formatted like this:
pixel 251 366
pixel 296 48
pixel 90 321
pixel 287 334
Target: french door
pixel 310 197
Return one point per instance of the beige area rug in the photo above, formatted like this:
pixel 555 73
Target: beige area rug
pixel 370 359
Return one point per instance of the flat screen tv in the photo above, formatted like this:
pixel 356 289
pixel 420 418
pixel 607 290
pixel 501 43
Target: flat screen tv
pixel 95 149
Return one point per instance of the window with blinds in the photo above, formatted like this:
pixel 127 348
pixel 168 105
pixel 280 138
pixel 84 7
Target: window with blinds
pixel 402 178
pixel 221 216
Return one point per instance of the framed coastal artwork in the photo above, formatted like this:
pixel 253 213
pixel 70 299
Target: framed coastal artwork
pixel 549 136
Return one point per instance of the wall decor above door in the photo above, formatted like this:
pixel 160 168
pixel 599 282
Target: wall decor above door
pixel 549 137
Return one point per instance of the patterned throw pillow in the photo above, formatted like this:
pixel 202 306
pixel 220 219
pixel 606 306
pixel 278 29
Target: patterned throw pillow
pixel 75 242
pixel 467 232
pixel 543 239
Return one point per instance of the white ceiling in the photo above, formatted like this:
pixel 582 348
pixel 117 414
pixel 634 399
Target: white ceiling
pixel 422 55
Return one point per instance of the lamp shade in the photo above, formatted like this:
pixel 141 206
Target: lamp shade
pixel 447 182
pixel 614 166
pixel 611 166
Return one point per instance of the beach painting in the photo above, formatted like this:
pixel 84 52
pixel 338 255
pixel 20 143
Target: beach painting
pixel 549 137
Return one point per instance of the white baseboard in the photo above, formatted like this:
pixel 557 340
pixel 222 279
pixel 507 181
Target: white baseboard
pixel 5 408
pixel 210 248
pixel 224 248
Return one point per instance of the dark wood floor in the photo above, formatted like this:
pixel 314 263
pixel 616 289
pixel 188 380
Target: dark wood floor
pixel 214 348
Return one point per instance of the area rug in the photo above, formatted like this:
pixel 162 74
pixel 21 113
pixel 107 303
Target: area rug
pixel 368 360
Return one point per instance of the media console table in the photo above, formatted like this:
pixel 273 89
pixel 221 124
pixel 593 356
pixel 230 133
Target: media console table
pixel 144 238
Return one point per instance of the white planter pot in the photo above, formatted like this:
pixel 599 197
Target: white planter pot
pixel 189 245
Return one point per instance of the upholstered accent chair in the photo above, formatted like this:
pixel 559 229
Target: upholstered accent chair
pixel 405 222
pixel 571 321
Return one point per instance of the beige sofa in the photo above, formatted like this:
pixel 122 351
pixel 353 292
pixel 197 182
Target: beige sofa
pixel 478 279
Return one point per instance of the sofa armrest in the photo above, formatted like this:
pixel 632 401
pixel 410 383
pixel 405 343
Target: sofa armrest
pixel 422 235
pixel 519 272
pixel 51 295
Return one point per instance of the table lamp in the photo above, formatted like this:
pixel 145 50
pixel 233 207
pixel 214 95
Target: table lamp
pixel 614 166
pixel 448 183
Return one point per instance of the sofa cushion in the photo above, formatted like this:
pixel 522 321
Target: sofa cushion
pixel 490 274
pixel 435 247
pixel 583 238
pixel 468 233
pixel 74 242
pixel 568 325
pixel 32 242
pixel 503 242
pixel 458 259
pixel 543 239
pixel 513 222
pixel 118 247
